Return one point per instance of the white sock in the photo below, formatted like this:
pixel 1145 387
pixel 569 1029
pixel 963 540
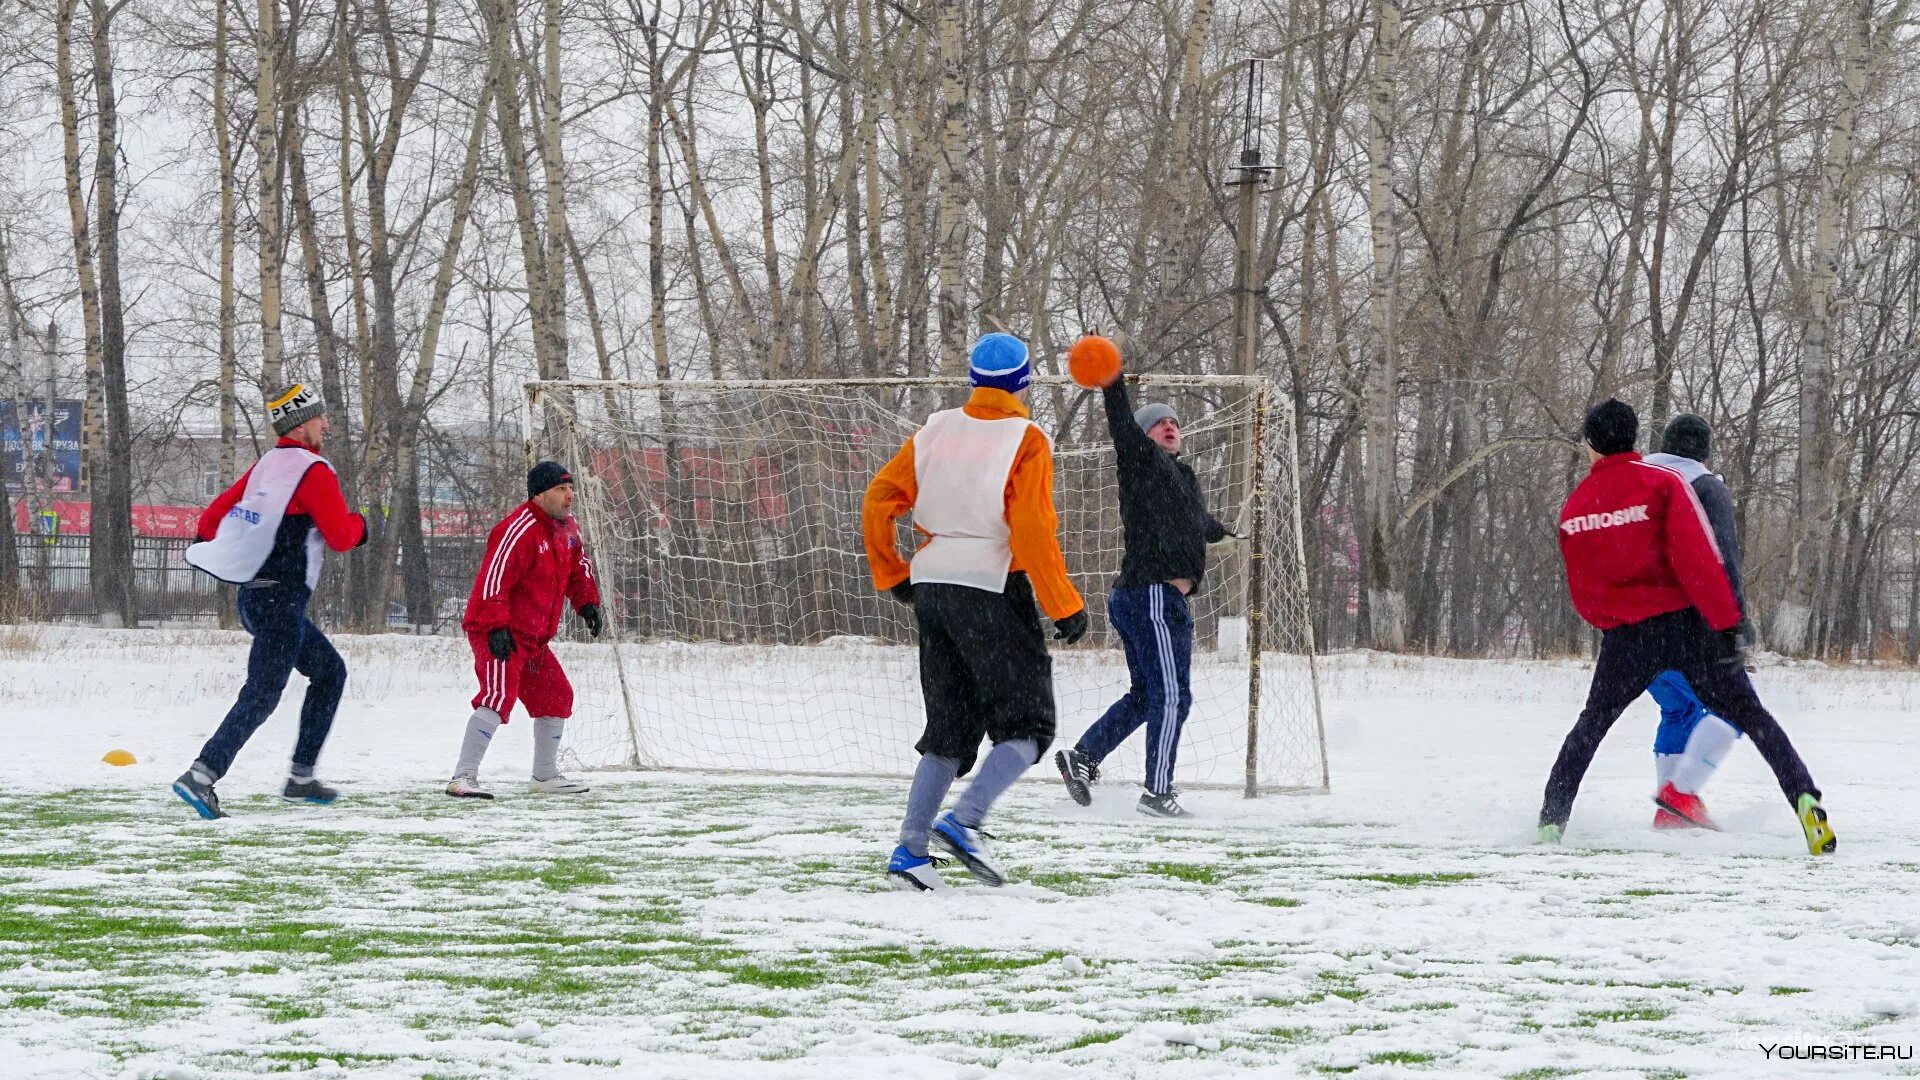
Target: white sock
pixel 1663 766
pixel 546 746
pixel 1708 745
pixel 480 728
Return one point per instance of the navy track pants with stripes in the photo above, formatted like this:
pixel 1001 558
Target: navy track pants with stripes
pixel 1157 632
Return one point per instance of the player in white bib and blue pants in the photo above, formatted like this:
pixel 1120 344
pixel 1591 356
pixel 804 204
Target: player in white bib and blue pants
pixel 267 534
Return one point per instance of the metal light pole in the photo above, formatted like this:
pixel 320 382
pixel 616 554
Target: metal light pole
pixel 1250 180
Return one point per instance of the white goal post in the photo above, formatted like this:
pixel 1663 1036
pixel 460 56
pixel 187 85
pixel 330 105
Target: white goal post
pixel 742 628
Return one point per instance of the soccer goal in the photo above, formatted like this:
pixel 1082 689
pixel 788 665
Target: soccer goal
pixel 724 523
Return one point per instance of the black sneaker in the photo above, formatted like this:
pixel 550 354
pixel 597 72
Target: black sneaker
pixel 1077 770
pixel 1167 806
pixel 198 795
pixel 308 791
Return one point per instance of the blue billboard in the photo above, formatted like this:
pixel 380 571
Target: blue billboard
pixel 43 453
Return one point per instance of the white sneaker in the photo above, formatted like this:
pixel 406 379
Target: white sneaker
pixel 558 785
pixel 466 787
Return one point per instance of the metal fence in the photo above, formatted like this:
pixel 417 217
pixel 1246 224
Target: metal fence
pixel 55 582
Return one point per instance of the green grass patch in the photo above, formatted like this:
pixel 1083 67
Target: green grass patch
pixel 963 962
pixel 1194 872
pixel 1622 1016
pixel 779 978
pixel 287 1011
pixel 1094 1038
pixel 1788 991
pixel 568 874
pixel 1275 901
pixel 1399 1057
pixel 1449 878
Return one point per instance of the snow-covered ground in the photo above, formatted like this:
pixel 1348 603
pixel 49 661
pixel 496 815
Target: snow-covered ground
pixel 687 925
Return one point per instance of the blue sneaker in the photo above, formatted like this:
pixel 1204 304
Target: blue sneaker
pixel 914 873
pixel 970 847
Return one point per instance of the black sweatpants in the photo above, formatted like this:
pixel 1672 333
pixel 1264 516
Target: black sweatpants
pixel 984 668
pixel 1630 657
pixel 284 641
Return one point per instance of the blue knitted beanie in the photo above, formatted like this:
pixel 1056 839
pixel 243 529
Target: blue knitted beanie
pixel 1000 361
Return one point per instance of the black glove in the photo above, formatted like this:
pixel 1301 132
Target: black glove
pixel 902 592
pixel 500 643
pixel 366 532
pixel 1740 642
pixel 1072 628
pixel 591 616
pixel 1733 656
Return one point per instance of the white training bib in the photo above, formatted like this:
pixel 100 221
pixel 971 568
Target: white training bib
pixel 1689 469
pixel 245 538
pixel 961 465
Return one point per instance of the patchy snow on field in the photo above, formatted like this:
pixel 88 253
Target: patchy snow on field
pixel 707 925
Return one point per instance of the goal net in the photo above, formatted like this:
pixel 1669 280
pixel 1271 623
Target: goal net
pixel 744 632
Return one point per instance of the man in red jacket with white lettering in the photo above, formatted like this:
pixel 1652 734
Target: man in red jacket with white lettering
pixel 1643 567
pixel 535 564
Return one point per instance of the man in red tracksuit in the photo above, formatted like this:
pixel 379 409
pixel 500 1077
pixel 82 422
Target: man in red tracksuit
pixel 1643 567
pixel 535 564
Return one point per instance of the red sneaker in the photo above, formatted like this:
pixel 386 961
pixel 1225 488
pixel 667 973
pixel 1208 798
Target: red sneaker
pixel 1685 806
pixel 1664 818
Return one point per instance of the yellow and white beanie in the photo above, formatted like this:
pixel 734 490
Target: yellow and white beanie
pixel 296 406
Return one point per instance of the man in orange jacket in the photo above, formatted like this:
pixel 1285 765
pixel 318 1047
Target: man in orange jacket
pixel 979 481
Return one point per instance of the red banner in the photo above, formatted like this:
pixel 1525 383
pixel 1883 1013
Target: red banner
pixel 64 518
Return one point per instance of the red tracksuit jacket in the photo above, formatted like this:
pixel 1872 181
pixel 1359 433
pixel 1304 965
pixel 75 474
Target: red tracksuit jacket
pixel 533 566
pixel 1637 544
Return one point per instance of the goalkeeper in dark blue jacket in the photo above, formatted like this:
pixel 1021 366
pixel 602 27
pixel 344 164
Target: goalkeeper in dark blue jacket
pixel 1691 741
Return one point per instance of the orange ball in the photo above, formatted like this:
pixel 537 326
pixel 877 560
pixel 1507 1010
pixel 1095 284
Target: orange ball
pixel 1094 362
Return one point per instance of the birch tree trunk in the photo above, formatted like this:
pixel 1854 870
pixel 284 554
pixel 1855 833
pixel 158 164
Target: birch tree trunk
pixel 884 335
pixel 11 608
pixel 223 151
pixel 1182 228
pixel 554 159
pixel 110 555
pixel 722 251
pixel 92 421
pixel 363 607
pixel 499 16
pixel 1813 474
pixel 417 580
pixel 266 150
pixel 656 204
pixel 394 491
pixel 1387 605
pixel 953 193
pixel 333 386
